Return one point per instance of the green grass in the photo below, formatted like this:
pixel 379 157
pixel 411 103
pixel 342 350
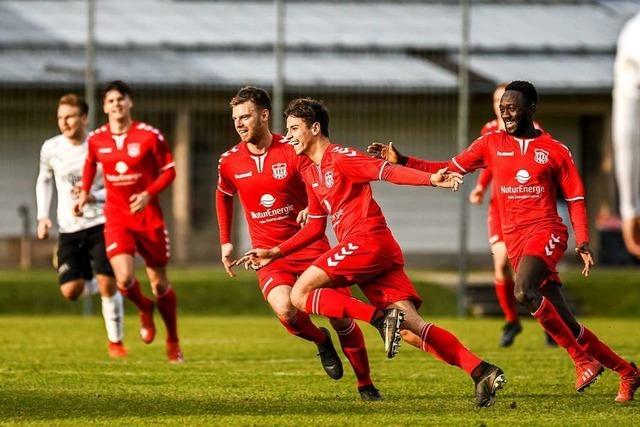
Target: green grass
pixel 248 371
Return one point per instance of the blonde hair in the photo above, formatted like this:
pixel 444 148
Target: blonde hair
pixel 75 101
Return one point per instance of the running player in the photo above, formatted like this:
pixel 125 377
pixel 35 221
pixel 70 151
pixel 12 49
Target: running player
pixel 337 181
pixel 137 166
pixel 261 169
pixel 529 169
pixel 81 250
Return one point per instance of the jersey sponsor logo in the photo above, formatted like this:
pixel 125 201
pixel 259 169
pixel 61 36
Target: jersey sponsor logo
pixel 344 252
pixel 133 149
pixel 279 170
pixel 267 200
pixel 273 214
pixel 505 153
pixel 121 167
pixel 123 178
pixel 522 176
pixel 541 156
pixel 551 245
pixel 328 179
pixel 243 175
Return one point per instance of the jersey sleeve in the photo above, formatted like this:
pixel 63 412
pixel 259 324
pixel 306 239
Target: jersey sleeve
pixel 313 229
pixel 484 178
pixel 358 166
pixel 225 183
pixel 90 167
pixel 573 191
pixel 166 166
pixel 224 213
pixel 425 165
pixel 44 185
pixel 474 157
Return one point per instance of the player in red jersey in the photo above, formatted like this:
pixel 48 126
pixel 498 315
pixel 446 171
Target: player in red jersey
pixel 262 170
pixel 529 169
pixel 337 180
pixel 137 166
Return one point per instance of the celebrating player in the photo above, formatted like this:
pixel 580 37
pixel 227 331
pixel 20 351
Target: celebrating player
pixel 81 249
pixel 529 169
pixel 337 181
pixel 137 166
pixel 261 169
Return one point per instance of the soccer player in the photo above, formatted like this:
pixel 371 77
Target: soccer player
pixel 137 166
pixel 81 249
pixel 337 181
pixel 626 131
pixel 261 169
pixel 529 169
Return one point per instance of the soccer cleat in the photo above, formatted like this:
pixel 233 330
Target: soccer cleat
pixel 369 393
pixel 549 340
pixel 488 382
pixel 628 386
pixel 147 328
pixel 117 350
pixel 587 374
pixel 509 332
pixel 329 357
pixel 389 327
pixel 174 353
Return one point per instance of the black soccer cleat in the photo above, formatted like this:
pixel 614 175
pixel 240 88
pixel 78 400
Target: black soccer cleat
pixel 369 393
pixel 389 327
pixel 509 332
pixel 329 357
pixel 488 381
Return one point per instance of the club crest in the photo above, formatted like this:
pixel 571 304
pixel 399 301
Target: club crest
pixel 541 156
pixel 133 149
pixel 328 179
pixel 279 170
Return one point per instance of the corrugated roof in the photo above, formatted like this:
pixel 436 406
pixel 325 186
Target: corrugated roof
pixel 387 25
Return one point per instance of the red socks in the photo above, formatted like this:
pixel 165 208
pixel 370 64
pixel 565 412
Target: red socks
pixel 301 326
pixel 603 354
pixel 135 295
pixel 167 308
pixel 353 346
pixel 507 299
pixel 551 321
pixel 331 303
pixel 446 347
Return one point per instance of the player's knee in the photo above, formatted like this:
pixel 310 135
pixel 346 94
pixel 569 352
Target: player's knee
pixel 284 310
pixel 521 294
pixel 299 298
pixel 71 291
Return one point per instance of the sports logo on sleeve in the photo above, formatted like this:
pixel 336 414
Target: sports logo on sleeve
pixel 541 156
pixel 279 170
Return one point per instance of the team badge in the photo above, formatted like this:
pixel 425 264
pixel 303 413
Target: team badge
pixel 279 170
pixel 328 179
pixel 133 149
pixel 541 156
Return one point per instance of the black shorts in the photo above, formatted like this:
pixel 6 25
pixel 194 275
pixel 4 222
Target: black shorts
pixel 81 254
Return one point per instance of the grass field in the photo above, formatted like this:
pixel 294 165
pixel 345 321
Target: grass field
pixel 245 370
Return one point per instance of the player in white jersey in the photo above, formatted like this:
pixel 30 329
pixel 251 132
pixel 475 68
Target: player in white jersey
pixel 81 249
pixel 626 131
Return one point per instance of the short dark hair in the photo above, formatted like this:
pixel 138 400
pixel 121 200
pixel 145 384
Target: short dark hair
pixel 526 89
pixel 258 96
pixel 75 101
pixel 118 85
pixel 310 111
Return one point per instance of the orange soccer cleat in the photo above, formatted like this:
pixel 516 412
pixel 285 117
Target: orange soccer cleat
pixel 117 350
pixel 628 386
pixel 587 374
pixel 147 328
pixel 174 353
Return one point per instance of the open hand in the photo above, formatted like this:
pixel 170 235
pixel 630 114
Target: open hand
pixel 255 259
pixel 138 201
pixel 444 179
pixel 227 258
pixel 587 258
pixel 477 195
pixel 386 152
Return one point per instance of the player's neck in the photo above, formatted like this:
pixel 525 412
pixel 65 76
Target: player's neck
pixel 77 139
pixel 317 149
pixel 262 145
pixel 121 126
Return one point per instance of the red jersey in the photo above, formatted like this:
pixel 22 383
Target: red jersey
pixel 270 189
pixel 527 175
pixel 139 160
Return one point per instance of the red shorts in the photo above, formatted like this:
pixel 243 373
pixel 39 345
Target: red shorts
pixel 380 276
pixel 547 244
pixel 494 225
pixel 152 243
pixel 284 272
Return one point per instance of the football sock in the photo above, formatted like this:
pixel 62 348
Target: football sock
pixel 353 346
pixel 331 303
pixel 446 347
pixel 113 314
pixel 548 317
pixel 167 308
pixel 603 354
pixel 135 295
pixel 302 326
pixel 507 299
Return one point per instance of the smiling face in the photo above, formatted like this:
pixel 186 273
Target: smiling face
pixel 516 113
pixel 71 122
pixel 250 121
pixel 117 106
pixel 300 134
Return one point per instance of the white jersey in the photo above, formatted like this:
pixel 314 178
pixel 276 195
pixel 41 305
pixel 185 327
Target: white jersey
pixel 63 160
pixel 626 118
